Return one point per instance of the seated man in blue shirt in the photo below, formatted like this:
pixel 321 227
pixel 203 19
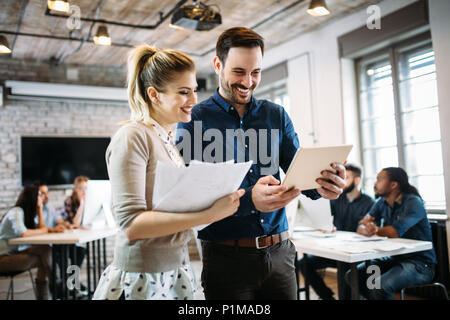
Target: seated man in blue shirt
pixel 399 213
pixel 351 206
pixel 248 255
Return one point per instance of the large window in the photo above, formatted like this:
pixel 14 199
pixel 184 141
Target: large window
pixel 399 117
pixel 276 93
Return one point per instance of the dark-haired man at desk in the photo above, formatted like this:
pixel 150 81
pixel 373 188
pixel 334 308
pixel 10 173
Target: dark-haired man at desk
pixel 351 206
pixel 399 213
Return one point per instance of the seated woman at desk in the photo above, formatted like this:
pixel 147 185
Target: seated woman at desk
pixel 398 213
pixel 72 212
pixel 151 259
pixel 19 221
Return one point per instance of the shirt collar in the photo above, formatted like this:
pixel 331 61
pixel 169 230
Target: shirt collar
pixel 162 133
pixel 397 202
pixel 226 105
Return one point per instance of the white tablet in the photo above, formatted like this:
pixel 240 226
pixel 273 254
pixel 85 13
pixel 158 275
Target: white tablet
pixel 308 163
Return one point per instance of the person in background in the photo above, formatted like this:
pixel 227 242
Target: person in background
pixel 398 213
pixel 72 213
pixel 70 216
pixel 19 221
pixel 50 216
pixel 351 206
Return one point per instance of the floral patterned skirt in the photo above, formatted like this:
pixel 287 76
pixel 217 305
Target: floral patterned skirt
pixel 176 284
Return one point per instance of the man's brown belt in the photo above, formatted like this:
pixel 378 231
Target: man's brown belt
pixel 258 242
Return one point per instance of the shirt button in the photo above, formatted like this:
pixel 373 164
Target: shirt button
pixel 232 108
pixel 253 211
pixel 246 145
pixel 251 171
pixel 262 220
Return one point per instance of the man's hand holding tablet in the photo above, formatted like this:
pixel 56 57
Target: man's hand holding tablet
pixel 304 174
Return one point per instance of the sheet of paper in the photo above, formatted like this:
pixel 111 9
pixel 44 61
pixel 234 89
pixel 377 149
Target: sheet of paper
pixel 319 234
pixel 338 245
pixel 391 246
pixel 303 229
pixel 316 213
pixel 197 186
pixel 362 238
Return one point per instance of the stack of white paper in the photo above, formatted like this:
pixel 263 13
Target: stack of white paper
pixel 196 187
pixel 363 238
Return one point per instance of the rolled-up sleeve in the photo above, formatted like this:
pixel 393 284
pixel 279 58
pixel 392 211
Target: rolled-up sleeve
pixel 16 219
pixel 127 158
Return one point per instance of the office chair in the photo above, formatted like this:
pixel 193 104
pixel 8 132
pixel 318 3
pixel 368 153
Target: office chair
pixel 438 232
pixel 433 284
pixel 11 275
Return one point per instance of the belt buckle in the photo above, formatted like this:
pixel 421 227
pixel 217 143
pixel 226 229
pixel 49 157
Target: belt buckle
pixel 257 243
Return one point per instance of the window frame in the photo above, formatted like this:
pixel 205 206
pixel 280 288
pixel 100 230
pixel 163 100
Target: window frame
pixel 393 52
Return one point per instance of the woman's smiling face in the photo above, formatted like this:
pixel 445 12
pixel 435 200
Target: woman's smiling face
pixel 176 102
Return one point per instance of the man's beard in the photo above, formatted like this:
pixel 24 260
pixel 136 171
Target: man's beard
pixel 229 94
pixel 349 188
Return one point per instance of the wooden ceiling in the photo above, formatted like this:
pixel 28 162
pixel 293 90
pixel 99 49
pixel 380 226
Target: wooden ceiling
pixel 200 44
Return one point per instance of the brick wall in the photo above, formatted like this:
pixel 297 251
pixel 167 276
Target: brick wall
pixel 46 71
pixel 49 118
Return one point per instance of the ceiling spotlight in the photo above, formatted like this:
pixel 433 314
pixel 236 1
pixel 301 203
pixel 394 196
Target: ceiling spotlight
pixel 197 16
pixel 58 5
pixel 102 37
pixel 4 46
pixel 318 8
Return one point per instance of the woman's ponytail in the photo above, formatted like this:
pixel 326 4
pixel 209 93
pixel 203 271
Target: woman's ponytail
pixel 137 97
pixel 152 67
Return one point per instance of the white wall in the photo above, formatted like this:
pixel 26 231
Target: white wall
pixel 326 99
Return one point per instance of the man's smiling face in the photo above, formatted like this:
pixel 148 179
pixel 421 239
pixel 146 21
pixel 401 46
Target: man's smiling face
pixel 240 75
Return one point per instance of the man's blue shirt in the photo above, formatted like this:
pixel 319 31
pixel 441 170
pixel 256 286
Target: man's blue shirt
pixel 267 137
pixel 410 220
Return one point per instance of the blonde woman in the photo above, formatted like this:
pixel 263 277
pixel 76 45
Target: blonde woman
pixel 72 212
pixel 151 259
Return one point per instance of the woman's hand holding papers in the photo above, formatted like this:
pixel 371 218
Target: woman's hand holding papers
pixel 332 184
pixel 152 224
pixel 224 207
pixel 268 195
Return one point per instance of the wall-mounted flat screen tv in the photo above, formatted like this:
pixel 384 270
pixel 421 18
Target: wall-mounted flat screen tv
pixel 58 160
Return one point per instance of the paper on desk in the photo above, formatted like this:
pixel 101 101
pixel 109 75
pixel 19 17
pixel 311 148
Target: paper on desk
pixel 391 246
pixel 362 238
pixel 364 246
pixel 195 187
pixel 320 234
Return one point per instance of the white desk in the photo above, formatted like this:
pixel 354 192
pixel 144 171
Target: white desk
pixel 323 247
pixel 67 237
pixel 61 243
